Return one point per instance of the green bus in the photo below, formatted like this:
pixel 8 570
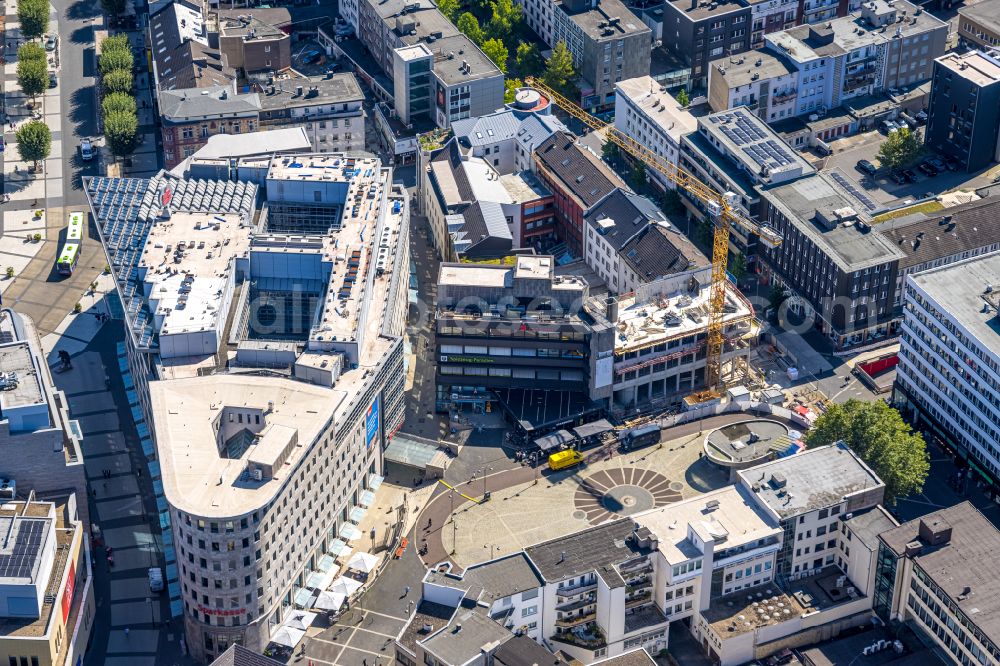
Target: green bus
pixel 69 255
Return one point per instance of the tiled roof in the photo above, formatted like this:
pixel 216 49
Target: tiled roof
pixel 180 49
pixel 629 212
pixel 218 101
pixel 652 254
pixel 952 231
pixel 582 174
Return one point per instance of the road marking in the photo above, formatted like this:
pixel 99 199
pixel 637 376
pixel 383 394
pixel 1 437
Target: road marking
pixel 357 649
pixel 377 633
pixel 391 617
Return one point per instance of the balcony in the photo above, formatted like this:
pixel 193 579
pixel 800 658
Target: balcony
pixel 576 620
pixel 639 584
pixel 589 600
pixel 589 637
pixel 573 591
pixel 638 600
pixel 781 98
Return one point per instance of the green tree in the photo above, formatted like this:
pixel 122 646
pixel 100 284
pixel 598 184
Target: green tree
pixel 610 152
pixel 671 203
pixel 510 87
pixel 559 70
pixel 31 51
pixel 900 150
pixel 682 97
pixel 497 52
pixel 34 141
pixel 116 60
pixel 505 19
pixel 122 132
pixel 637 176
pixel 449 8
pixel 119 81
pixel 777 296
pixel 113 7
pixel 33 16
pixel 33 76
pixel 737 266
pixel 469 26
pixel 529 59
pixel 118 42
pixel 877 433
pixel 118 103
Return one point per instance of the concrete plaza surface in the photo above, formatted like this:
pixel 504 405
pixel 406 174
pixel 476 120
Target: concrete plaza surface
pixel 559 503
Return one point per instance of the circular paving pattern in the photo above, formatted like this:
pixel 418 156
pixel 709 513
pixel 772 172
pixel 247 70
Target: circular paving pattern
pixel 613 493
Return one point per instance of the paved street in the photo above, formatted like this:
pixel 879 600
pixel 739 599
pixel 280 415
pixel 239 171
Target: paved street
pixel 37 290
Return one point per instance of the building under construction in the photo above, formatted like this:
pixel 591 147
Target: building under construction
pixel 660 340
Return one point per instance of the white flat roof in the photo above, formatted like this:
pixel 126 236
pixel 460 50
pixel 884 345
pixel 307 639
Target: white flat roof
pixel 735 520
pixel 659 106
pixel 331 168
pixel 196 478
pixel 184 295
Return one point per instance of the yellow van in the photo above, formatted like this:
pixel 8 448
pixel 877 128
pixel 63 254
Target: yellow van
pixel 565 459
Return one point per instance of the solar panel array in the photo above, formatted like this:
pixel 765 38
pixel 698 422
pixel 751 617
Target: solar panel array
pixel 765 151
pixel 852 189
pixel 126 209
pixel 17 559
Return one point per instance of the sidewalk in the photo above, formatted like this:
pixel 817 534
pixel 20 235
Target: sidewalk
pixel 29 191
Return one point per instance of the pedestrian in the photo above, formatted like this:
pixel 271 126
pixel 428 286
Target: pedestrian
pixel 126 632
pixel 406 590
pixel 94 490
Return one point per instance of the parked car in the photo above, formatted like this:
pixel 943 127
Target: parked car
pixel 909 175
pixel 937 163
pixel 53 80
pixel 889 126
pixel 920 117
pixel 928 169
pixel 86 150
pixel 952 164
pixel 897 178
pixel 50 43
pixel 866 167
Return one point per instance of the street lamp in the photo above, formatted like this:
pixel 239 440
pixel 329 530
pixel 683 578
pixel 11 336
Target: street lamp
pixel 484 472
pixel 454 535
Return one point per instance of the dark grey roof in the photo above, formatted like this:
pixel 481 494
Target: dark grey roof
pixel 522 651
pixel 182 62
pixel 428 614
pixel 629 212
pixel 654 253
pixel 537 128
pixel 813 479
pixel 952 231
pixel 594 22
pixel 469 631
pixel 449 70
pixel 581 172
pixel 483 221
pixel 960 564
pixel 851 248
pixel 985 13
pixel 237 655
pixel 504 577
pixel 216 102
pixel 594 549
pixel 867 525
pixel 338 89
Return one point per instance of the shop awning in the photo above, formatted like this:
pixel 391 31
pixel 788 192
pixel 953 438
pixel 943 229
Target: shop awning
pixel 357 514
pixel 367 498
pixel 375 481
pixel 302 597
pixel 349 532
pixel 345 585
pixel 336 547
pixel 330 600
pixel 554 440
pixel 291 631
pixel 598 427
pixel 326 563
pixel 363 562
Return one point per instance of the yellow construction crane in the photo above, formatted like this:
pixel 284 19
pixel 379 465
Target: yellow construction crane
pixel 721 207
